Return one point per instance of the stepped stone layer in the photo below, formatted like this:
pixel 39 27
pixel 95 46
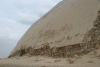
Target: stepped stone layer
pixel 71 27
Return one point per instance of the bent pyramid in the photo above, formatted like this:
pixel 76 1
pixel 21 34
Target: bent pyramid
pixel 71 27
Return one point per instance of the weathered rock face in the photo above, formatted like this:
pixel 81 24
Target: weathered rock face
pixel 71 27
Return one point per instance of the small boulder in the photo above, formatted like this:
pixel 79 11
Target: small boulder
pixel 76 56
pixel 70 61
pixel 57 60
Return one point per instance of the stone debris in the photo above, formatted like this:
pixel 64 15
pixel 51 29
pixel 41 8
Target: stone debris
pixel 57 60
pixel 76 56
pixel 97 54
pixel 70 61
pixel 90 61
pixel 36 60
pixel 17 57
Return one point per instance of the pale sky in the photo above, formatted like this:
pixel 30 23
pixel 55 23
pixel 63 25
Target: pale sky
pixel 16 16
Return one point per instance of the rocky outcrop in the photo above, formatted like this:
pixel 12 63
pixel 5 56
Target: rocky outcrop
pixel 62 35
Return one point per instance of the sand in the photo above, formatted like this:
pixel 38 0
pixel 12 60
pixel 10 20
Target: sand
pixel 91 59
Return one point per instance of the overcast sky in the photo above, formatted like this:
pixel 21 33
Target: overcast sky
pixel 16 16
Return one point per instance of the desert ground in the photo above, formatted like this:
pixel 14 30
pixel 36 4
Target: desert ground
pixel 91 59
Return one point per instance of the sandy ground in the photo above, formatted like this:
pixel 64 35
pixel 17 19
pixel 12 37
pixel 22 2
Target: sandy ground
pixel 92 59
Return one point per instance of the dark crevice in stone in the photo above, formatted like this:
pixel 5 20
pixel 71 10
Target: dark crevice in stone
pixel 22 52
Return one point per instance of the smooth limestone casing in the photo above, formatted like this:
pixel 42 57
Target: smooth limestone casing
pixel 65 24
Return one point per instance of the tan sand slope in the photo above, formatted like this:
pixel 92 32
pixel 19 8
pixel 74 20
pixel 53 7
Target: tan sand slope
pixel 66 24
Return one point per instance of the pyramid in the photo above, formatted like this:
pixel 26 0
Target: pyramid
pixel 71 27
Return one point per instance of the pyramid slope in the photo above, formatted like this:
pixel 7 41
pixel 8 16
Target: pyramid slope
pixel 66 24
